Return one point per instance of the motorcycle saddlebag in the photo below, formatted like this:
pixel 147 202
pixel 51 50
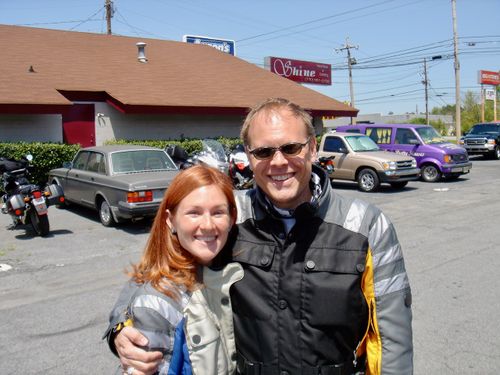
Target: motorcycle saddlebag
pixel 7 165
pixel 55 192
pixel 176 152
pixel 16 202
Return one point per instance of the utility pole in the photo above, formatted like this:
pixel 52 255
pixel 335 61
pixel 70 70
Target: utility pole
pixel 350 62
pixel 458 128
pixel 109 14
pixel 482 102
pixel 426 84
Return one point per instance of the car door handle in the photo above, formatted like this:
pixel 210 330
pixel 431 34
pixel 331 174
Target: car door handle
pixel 92 179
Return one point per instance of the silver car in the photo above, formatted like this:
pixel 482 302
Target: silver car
pixel 120 181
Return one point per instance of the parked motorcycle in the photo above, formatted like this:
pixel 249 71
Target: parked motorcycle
pixel 25 202
pixel 212 155
pixel 326 162
pixel 239 168
pixel 179 156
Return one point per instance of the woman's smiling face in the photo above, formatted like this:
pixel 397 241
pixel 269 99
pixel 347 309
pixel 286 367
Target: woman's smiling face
pixel 202 221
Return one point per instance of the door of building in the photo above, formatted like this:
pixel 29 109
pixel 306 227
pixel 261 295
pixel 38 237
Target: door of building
pixel 79 125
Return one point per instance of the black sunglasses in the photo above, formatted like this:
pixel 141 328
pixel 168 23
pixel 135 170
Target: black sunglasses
pixel 288 149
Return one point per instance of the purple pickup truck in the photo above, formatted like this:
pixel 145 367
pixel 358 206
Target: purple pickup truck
pixel 435 156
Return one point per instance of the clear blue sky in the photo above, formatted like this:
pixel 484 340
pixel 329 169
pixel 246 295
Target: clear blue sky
pixel 393 38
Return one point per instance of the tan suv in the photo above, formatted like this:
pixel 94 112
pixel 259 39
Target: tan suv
pixel 358 158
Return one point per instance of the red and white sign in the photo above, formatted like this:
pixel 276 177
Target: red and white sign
pixel 489 78
pixel 300 71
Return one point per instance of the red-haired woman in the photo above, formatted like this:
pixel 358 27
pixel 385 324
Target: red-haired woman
pixel 178 286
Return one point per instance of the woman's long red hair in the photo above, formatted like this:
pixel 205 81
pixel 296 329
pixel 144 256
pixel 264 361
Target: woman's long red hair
pixel 164 262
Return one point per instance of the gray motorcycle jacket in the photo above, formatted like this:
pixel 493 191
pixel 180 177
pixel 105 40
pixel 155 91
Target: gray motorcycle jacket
pixel 331 296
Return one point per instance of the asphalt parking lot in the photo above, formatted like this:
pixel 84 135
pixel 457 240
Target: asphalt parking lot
pixel 55 299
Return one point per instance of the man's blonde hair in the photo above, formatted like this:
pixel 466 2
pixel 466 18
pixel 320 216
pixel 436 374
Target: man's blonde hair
pixel 274 105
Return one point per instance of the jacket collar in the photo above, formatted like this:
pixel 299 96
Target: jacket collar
pixel 263 207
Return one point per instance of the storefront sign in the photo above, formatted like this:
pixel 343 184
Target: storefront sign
pixel 489 94
pixel 489 78
pixel 223 45
pixel 300 71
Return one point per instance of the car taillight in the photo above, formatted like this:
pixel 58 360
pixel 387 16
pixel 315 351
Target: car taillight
pixel 328 162
pixel 240 166
pixel 37 194
pixel 140 196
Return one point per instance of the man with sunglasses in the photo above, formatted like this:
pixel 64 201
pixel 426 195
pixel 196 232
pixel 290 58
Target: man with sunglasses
pixel 325 290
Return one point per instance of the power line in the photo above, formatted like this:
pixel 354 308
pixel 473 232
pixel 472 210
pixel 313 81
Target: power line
pixel 403 52
pixel 314 21
pixel 88 19
pixel 328 24
pixel 125 22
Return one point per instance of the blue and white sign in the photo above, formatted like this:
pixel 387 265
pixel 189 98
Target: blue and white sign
pixel 223 45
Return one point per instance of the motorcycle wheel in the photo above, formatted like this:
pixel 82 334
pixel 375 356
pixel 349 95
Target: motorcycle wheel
pixel 39 223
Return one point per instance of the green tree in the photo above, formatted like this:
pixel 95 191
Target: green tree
pixel 471 110
pixel 448 109
pixel 439 125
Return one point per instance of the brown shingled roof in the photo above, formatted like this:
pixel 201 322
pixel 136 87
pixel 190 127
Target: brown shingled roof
pixel 176 75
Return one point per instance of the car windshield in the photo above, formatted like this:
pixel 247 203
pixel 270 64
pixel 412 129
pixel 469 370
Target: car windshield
pixel 360 143
pixel 135 161
pixel 429 135
pixel 484 128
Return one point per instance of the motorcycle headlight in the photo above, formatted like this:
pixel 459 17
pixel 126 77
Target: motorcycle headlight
pixel 389 166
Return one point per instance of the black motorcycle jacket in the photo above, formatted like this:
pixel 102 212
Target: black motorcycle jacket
pixel 331 296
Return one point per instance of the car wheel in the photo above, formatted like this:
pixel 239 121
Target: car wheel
pixel 399 184
pixel 496 153
pixel 105 214
pixel 368 180
pixel 430 173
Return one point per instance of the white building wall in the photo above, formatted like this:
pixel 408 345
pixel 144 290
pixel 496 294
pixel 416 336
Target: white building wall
pixel 111 124
pixel 31 128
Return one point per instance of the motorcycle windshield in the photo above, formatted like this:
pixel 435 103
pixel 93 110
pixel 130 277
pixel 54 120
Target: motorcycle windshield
pixel 214 148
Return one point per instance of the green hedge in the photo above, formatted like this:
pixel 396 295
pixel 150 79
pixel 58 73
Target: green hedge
pixel 46 156
pixel 190 145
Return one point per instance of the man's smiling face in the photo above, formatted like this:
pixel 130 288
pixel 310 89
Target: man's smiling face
pixel 284 179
